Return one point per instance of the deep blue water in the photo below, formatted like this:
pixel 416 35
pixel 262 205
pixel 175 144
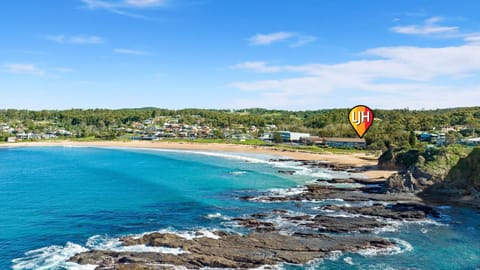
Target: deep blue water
pixel 51 196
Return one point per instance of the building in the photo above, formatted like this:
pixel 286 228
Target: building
pixel 441 139
pixel 345 142
pixel 426 137
pixel 11 139
pixel 289 136
pixel 471 141
pixel 313 140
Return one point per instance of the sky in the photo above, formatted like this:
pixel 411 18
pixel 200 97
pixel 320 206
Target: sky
pixel 234 54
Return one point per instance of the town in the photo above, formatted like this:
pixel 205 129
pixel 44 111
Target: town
pixel 165 127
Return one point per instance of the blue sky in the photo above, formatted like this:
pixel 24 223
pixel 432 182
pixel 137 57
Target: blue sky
pixel 59 54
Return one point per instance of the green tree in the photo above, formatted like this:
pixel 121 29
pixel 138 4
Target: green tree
pixel 412 139
pixel 277 137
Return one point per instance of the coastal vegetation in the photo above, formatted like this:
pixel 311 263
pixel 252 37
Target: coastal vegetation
pixel 391 127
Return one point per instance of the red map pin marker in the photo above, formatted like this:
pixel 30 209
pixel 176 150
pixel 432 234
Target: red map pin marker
pixel 361 119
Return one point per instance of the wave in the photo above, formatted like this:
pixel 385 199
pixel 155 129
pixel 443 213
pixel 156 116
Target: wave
pixel 348 260
pixel 56 257
pixel 401 246
pixel 52 257
pixel 189 235
pixel 103 242
pixel 237 173
pixel 282 192
pixel 213 216
pixel 298 167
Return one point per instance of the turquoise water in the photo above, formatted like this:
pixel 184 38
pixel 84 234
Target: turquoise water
pixel 54 199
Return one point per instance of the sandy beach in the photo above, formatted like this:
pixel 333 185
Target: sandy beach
pixel 352 159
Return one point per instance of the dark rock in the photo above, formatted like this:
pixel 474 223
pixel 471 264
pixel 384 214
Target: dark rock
pixel 259 226
pixel 399 211
pixel 230 251
pixel 339 224
pixel 314 192
pixel 406 182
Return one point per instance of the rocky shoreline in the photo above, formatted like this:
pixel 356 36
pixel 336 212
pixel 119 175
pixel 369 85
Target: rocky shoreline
pixel 331 228
pixel 228 251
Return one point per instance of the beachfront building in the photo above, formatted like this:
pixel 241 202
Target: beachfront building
pixel 296 137
pixel 471 141
pixel 345 142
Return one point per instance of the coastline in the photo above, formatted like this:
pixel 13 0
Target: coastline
pixel 313 233
pixel 366 163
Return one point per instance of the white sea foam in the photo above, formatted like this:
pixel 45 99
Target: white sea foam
pixel 52 257
pixel 348 260
pixel 56 257
pixel 334 255
pixel 238 173
pixel 264 267
pixel 329 201
pixel 286 191
pixel 343 214
pixel 401 246
pixel 102 242
pixel 212 153
pixel 189 235
pixel 215 216
pixel 299 168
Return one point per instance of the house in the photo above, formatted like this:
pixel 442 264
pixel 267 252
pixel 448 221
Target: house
pixel 427 137
pixel 441 139
pixel 267 136
pixel 21 135
pixel 5 128
pixel 11 139
pixel 148 122
pixel 289 136
pixel 471 141
pixel 345 142
pixel 313 140
pixel 64 132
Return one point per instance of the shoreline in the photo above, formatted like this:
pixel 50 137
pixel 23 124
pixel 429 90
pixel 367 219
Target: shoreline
pixel 358 160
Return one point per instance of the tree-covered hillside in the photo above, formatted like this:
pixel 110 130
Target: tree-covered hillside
pixel 390 126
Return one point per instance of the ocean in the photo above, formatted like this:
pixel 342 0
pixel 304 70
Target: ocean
pixel 59 201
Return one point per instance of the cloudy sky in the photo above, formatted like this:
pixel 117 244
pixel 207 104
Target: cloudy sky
pixel 302 54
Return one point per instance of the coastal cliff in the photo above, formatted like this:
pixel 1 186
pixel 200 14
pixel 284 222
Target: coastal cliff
pixel 447 174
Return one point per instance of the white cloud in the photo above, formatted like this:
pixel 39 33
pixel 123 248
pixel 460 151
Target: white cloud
pixel 416 76
pixel 77 39
pixel 257 66
pixel 294 39
pixel 473 38
pixel 429 27
pixel 120 7
pixel 24 69
pixel 131 52
pixel 124 3
pixel 267 39
pixel 145 3
pixel 302 40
